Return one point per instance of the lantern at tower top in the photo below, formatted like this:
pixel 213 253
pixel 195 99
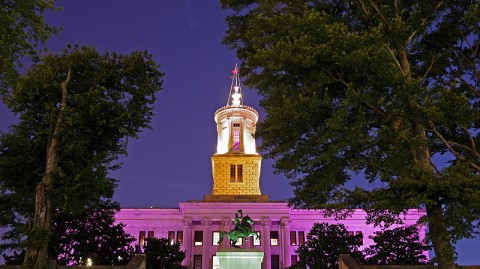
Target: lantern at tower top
pixel 236 122
pixel 235 96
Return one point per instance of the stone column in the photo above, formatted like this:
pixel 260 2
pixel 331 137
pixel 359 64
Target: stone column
pixel 207 238
pixel 266 222
pixel 226 226
pixel 242 129
pixel 285 223
pixel 187 241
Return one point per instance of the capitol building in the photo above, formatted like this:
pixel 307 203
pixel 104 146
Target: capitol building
pixel 196 225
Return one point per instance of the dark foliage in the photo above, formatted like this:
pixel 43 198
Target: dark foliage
pixel 399 246
pixel 90 104
pixel 161 255
pixel 324 245
pixel 386 89
pixel 91 234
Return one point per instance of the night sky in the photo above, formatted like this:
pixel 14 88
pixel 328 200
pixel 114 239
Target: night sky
pixel 171 163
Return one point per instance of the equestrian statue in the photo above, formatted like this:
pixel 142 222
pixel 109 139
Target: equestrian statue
pixel 243 229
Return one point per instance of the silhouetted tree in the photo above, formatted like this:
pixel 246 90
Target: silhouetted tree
pixel 381 88
pixel 77 111
pixel 325 242
pixel 399 246
pixel 161 255
pixel 93 234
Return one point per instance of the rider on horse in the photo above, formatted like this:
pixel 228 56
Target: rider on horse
pixel 243 229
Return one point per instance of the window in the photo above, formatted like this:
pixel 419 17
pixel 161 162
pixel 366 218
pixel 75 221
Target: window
pixel 275 261
pixel 197 261
pixel 274 238
pixel 293 238
pixel 171 237
pixel 236 125
pixel 236 141
pixel 215 262
pixel 198 238
pixel 215 238
pixel 256 241
pixel 301 237
pixel 294 259
pixel 239 173
pixel 141 238
pixel 232 173
pixel 361 234
pixel 239 242
pixel 151 234
pixel 180 237
pixel 236 173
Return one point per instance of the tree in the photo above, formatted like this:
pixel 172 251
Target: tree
pixel 388 89
pixel 399 246
pixel 162 255
pixel 384 88
pixel 93 234
pixel 22 27
pixel 324 245
pixel 77 111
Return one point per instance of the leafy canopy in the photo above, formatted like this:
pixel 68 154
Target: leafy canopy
pixel 388 89
pixel 324 245
pixel 110 99
pixel 398 246
pixel 325 242
pixel 92 234
pixel 22 28
pixel 161 254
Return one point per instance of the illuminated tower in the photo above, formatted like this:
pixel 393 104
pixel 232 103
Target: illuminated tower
pixel 236 164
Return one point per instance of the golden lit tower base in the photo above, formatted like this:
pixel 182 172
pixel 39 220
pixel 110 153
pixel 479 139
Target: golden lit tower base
pixel 236 174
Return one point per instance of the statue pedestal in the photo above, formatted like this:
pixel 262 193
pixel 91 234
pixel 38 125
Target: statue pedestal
pixel 238 258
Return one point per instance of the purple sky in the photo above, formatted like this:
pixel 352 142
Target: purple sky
pixel 171 163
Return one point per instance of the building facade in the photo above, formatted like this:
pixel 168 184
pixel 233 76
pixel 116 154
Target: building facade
pixel 196 225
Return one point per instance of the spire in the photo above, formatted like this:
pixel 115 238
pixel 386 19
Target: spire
pixel 235 96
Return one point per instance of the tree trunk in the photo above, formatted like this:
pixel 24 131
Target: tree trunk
pixel 438 231
pixel 36 256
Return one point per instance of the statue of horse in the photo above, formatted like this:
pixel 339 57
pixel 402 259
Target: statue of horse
pixel 242 229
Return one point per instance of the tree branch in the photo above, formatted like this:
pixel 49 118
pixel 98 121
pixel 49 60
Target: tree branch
pixel 364 7
pixel 452 150
pixel 374 108
pixel 469 86
pixel 410 37
pixel 379 13
pixel 392 53
pixel 472 141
